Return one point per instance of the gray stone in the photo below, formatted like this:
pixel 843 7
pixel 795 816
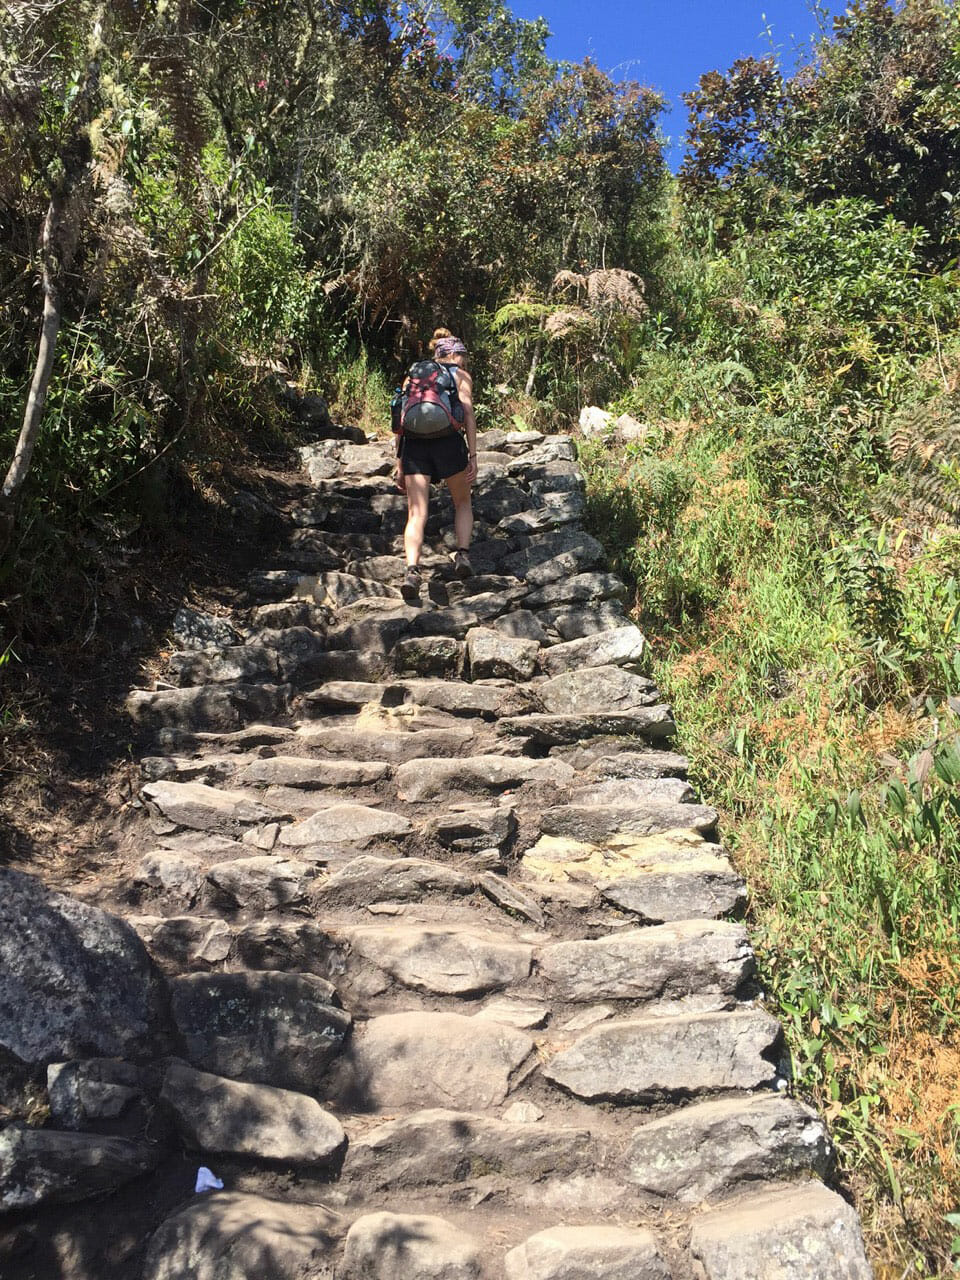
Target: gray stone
pixel 250 662
pixel 595 421
pixel 551 449
pixel 269 1028
pixel 339 589
pixel 218 707
pixel 193 629
pixel 262 883
pixel 378 633
pixel 229 1236
pixel 421 780
pixel 350 664
pixel 634 791
pixel 717 1147
pixel 596 691
pixel 545 731
pixel 180 875
pixel 372 879
pixel 704 888
pixel 212 770
pixel 203 808
pixel 367 459
pixel 511 898
pixel 434 1148
pixel 420 1059
pixel 581 588
pixel 645 1059
pixel 574 622
pixel 74 981
pixel 630 428
pixel 637 764
pixel 40 1166
pixel 345 824
pixel 521 624
pixel 472 828
pixel 223 1116
pixel 492 654
pixel 548 557
pixel 344 695
pixel 393 745
pixel 289 613
pixel 621 647
pixel 801 1233
pixel 298 771
pixel 595 1252
pixel 461 698
pixel 522 1113
pixel 291 948
pixel 661 962
pixel 91 1092
pixel 444 960
pixel 436 655
pixel 301 651
pixel 178 943
pixel 525 1015
pixel 595 822
pixel 405 1246
pixel 553 512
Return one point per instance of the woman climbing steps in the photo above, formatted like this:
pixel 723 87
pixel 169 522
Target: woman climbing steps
pixel 448 452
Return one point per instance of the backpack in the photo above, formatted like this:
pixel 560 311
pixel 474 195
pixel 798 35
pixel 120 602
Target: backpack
pixel 428 404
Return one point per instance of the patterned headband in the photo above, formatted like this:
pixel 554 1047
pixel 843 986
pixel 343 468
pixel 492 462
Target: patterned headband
pixel 449 347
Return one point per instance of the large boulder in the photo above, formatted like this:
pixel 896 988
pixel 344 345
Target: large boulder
pixel 40 1166
pixel 74 981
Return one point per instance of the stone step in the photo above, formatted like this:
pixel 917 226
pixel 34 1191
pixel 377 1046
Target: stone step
pixel 543 731
pixel 214 708
pixel 419 781
pixel 648 1059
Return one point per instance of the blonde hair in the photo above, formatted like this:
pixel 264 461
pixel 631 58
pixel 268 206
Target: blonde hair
pixel 437 335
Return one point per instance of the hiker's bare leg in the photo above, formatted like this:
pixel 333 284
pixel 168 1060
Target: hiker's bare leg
pixel 418 503
pixel 459 487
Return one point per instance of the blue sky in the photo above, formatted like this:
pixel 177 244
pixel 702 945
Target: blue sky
pixel 669 44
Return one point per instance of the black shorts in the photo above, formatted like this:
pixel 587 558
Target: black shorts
pixel 440 458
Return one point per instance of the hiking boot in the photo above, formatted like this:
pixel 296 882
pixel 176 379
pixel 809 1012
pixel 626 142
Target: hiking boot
pixel 461 564
pixel 410 587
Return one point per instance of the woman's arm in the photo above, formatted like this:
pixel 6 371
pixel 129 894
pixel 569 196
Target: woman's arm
pixel 465 393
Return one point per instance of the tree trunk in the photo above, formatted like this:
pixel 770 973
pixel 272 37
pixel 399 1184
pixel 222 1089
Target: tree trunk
pixel 46 350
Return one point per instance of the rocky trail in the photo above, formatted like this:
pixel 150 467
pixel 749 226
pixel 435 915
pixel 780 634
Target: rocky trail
pixel 429 950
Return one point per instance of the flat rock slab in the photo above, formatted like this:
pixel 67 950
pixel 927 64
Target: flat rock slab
pixel 619 647
pixel 430 1148
pixel 510 897
pixel 462 698
pixel 179 943
pixel 598 1252
pixel 634 792
pixel 704 888
pixel 195 630
pixel 224 1116
pixel 406 1246
pixel 346 824
pixel 651 723
pixel 262 882
pixel 229 1236
pixel 804 1233
pixel 716 1148
pixel 430 1059
pixel 435 655
pixel 563 859
pixel 580 588
pixel 596 690
pixel 471 828
pixel 217 707
pixel 656 818
pixel 421 780
pixel 297 771
pixel 493 654
pixel 645 1059
pixel 372 879
pixel 444 961
pixel 639 764
pixel 691 957
pixel 75 982
pixel 269 1028
pixel 39 1166
pixel 238 662
pixel 90 1093
pixel 203 808
pixel 393 745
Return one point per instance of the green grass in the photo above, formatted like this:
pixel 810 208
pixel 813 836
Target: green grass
pixel 835 767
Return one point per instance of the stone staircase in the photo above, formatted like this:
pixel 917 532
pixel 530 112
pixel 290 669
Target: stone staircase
pixel 456 980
